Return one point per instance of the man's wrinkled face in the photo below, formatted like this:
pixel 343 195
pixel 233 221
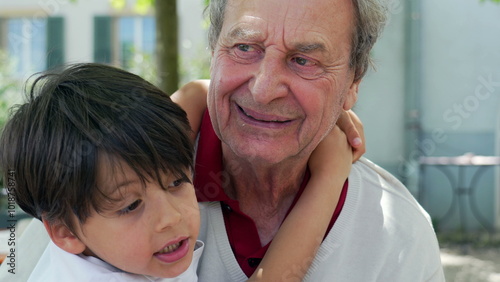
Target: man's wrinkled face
pixel 280 76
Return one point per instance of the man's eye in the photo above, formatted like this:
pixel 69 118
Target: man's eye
pixel 246 53
pixel 130 207
pixel 301 61
pixel 244 47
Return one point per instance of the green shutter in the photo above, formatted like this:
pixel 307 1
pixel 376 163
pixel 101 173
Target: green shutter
pixel 2 39
pixel 55 41
pixel 102 39
pixel 3 34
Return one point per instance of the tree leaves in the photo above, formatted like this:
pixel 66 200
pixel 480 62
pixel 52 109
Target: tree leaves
pixel 141 6
pixel 494 1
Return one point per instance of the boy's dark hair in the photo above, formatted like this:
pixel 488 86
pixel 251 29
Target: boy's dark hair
pixel 53 142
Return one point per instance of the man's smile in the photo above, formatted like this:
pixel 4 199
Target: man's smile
pixel 262 117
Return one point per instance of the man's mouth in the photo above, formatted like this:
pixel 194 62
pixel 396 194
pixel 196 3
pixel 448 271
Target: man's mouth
pixel 271 120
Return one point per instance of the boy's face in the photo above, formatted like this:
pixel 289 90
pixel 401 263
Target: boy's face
pixel 148 230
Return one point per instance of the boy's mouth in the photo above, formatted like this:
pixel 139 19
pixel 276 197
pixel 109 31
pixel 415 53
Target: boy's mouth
pixel 173 252
pixel 170 248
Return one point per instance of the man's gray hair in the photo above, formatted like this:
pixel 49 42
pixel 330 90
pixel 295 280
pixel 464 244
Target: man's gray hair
pixel 370 18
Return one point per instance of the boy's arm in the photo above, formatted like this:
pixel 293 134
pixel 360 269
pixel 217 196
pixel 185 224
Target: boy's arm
pixel 294 246
pixel 192 97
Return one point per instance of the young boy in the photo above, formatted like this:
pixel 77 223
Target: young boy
pixel 104 160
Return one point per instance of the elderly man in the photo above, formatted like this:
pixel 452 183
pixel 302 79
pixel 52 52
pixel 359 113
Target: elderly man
pixel 282 71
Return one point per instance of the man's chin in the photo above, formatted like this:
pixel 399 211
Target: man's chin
pixel 262 154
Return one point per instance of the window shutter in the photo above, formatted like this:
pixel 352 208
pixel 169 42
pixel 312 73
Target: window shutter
pixel 2 34
pixel 102 39
pixel 55 41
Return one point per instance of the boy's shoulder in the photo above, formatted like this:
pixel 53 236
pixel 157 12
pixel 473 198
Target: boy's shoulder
pixel 38 259
pixel 29 247
pixel 58 265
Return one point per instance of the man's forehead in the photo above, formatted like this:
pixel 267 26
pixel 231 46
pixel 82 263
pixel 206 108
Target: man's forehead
pixel 306 30
pixel 299 11
pixel 246 33
pixel 252 34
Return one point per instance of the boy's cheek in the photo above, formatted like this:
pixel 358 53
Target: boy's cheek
pixel 191 209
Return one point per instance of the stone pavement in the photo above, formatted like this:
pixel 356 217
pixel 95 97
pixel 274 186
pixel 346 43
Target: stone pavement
pixel 463 263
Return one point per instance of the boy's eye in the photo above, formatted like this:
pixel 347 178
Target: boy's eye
pixel 130 207
pixel 179 182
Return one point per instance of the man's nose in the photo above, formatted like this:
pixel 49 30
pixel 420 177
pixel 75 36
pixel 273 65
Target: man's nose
pixel 271 79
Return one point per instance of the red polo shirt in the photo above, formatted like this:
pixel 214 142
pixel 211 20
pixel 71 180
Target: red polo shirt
pixel 240 228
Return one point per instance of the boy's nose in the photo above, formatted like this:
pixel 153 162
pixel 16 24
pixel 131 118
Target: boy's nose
pixel 168 213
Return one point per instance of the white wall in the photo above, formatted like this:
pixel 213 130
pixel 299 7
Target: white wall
pixel 191 27
pixel 460 51
pixel 381 96
pixel 460 92
pixel 497 176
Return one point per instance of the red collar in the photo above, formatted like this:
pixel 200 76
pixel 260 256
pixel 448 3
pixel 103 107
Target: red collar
pixel 240 228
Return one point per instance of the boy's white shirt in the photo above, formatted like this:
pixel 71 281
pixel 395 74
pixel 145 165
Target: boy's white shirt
pixel 57 265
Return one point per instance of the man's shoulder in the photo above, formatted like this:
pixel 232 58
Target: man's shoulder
pixel 374 185
pixel 371 176
pixel 369 171
pixel 382 230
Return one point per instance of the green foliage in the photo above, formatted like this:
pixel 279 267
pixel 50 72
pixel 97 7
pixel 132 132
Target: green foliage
pixel 142 64
pixel 141 6
pixel 494 1
pixel 195 67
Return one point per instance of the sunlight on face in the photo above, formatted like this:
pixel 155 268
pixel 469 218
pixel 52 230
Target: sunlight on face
pixel 280 76
pixel 146 229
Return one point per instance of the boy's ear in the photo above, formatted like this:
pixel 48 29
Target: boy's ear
pixel 352 95
pixel 60 234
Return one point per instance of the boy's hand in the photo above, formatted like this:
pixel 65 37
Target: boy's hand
pixel 334 153
pixel 351 125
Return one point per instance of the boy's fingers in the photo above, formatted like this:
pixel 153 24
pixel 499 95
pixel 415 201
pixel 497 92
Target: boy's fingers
pixel 352 126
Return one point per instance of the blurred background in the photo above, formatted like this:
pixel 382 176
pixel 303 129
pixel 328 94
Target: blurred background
pixel 431 109
pixel 36 35
pixel 436 93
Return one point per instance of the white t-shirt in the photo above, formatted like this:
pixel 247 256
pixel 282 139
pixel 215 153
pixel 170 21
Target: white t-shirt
pixel 57 265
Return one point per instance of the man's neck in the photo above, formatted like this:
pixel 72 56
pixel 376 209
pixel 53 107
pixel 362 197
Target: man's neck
pixel 264 192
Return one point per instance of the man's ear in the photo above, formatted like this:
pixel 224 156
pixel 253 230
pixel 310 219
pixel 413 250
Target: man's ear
pixel 60 234
pixel 352 95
